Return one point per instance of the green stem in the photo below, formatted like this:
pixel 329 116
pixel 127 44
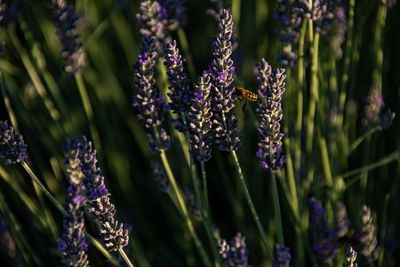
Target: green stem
pixel 88 109
pixel 125 257
pixel 314 94
pixel 186 53
pixel 277 209
pixel 347 60
pixel 205 189
pixel 183 208
pixel 385 160
pixel 380 25
pixel 34 76
pixel 362 138
pixel 42 187
pixel 251 205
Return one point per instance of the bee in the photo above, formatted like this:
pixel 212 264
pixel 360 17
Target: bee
pixel 244 94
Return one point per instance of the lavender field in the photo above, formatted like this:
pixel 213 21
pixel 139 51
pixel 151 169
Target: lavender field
pixel 259 133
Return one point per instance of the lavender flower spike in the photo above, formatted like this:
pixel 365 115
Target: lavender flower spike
pixel 222 90
pixel 235 254
pixel 323 244
pixel 341 220
pixel 179 84
pixel 282 256
pixel 199 120
pixel 271 86
pixel 12 145
pixel 148 102
pixel 66 20
pixel 73 244
pixel 366 236
pixel 351 256
pixel 98 203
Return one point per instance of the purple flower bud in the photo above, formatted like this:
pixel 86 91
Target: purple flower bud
pixel 271 86
pixel 374 113
pixel 12 145
pixel 323 238
pixel 225 123
pixel 282 256
pixel 158 18
pixel 73 244
pixel 199 120
pixel 66 20
pixel 149 104
pixel 234 254
pixel 98 203
pixel 179 84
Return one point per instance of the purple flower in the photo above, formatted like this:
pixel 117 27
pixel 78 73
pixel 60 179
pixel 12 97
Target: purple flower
pixel 282 256
pixel 158 18
pixel 271 86
pixel 290 23
pixel 149 104
pixel 12 145
pixel 179 84
pixel 374 114
pixel 234 254
pixel 199 120
pixel 222 90
pixel 351 256
pixel 98 203
pixel 366 235
pixel 66 22
pixel 73 244
pixel 323 238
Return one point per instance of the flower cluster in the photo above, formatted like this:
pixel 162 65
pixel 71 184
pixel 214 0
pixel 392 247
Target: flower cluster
pixel 148 102
pixel 158 18
pixel 98 203
pixel 351 256
pixel 12 145
pixel 323 238
pixel 199 120
pixel 373 111
pixel 73 244
pixel 366 236
pixel 179 84
pixel 290 23
pixel 65 20
pixel 271 86
pixel 282 256
pixel 235 254
pixel 222 90
pixel 8 245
